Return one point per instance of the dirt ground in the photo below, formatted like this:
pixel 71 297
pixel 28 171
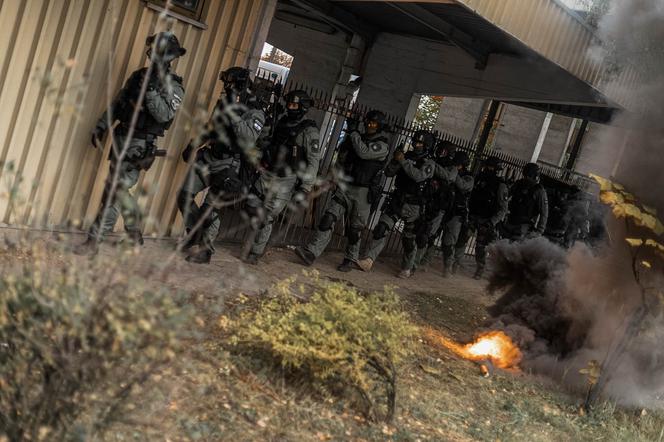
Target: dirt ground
pixel 440 397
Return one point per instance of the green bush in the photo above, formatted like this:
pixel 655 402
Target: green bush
pixel 337 335
pixel 77 341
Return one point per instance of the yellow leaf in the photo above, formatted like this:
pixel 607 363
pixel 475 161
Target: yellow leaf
pixel 646 264
pixel 634 242
pixel 610 198
pixel 650 210
pixel 604 184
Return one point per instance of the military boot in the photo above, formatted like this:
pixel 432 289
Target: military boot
pixel 203 256
pixel 89 248
pixel 366 264
pixel 135 238
pixel 347 265
pixel 184 245
pixel 251 259
pixel 447 270
pixel 305 255
pixel 405 274
pixel 478 273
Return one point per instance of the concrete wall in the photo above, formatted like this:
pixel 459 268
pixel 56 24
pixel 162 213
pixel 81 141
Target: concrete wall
pixel 319 57
pixel 460 116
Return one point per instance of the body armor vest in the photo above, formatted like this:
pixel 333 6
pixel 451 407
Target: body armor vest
pixel 145 124
pixel 522 206
pixel 484 198
pixel 414 192
pixel 361 172
pixel 461 200
pixel 284 155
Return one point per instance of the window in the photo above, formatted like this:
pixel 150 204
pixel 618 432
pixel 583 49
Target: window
pixel 192 9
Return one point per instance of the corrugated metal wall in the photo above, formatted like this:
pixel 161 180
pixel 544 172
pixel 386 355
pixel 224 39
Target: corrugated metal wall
pixel 548 28
pixel 61 60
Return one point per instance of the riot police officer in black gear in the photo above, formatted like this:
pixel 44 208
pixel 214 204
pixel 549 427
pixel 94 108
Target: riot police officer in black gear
pixel 528 206
pixel 487 209
pixel 361 160
pixel 289 166
pixel 143 118
pixel 412 170
pixel 228 141
pixel 457 217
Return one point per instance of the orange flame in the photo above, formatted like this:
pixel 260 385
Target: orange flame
pixel 495 346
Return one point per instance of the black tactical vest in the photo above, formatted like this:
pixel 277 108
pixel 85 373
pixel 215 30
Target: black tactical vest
pixel 145 124
pixel 361 172
pixel 461 200
pixel 226 146
pixel 484 198
pixel 405 185
pixel 523 205
pixel 284 155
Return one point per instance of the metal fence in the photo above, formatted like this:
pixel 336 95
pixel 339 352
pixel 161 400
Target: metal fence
pixel 294 228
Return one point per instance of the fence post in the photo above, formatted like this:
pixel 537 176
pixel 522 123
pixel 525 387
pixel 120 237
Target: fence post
pixel 484 136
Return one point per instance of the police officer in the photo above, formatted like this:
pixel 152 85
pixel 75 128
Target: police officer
pixel 458 214
pixel 361 160
pixel 487 207
pixel 440 198
pixel 229 141
pixel 141 121
pixel 412 171
pixel 528 206
pixel 289 166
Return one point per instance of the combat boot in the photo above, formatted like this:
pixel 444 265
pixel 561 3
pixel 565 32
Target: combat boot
pixel 365 264
pixel 405 274
pixel 251 259
pixel 447 270
pixel 203 256
pixel 347 265
pixel 89 248
pixel 305 255
pixel 478 273
pixel 135 238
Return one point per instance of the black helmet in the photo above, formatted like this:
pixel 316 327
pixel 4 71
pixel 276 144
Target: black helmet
pixel 236 76
pixel 531 170
pixel 302 99
pixel 446 149
pixel 378 117
pixel 461 158
pixel 166 45
pixel 494 162
pixel 425 137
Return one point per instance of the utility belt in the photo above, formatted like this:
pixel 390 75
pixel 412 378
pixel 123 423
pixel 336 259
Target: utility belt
pixel 150 153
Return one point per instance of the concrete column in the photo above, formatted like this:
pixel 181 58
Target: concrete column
pixel 542 137
pixel 563 154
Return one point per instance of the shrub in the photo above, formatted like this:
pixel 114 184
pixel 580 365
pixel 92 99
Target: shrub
pixel 76 340
pixel 337 335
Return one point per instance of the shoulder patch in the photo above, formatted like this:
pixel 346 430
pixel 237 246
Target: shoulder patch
pixel 376 147
pixel 428 169
pixel 258 125
pixel 176 101
pixel 315 146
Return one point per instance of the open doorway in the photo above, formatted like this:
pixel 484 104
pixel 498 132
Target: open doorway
pixel 274 64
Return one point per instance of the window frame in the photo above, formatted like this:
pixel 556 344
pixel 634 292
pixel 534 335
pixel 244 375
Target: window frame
pixel 181 13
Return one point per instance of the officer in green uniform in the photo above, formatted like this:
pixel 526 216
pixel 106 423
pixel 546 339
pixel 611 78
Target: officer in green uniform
pixel 133 149
pixel 361 161
pixel 412 171
pixel 229 139
pixel 289 166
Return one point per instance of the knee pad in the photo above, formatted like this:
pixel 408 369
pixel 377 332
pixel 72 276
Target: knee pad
pixel 327 222
pixel 354 235
pixel 380 231
pixel 408 244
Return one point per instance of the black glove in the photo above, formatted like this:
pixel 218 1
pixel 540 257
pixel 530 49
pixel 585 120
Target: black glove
pixel 97 136
pixel 186 153
pixel 352 124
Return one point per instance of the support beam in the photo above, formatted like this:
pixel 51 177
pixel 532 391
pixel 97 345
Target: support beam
pixel 542 136
pixel 576 147
pixel 570 134
pixel 484 136
pixel 326 10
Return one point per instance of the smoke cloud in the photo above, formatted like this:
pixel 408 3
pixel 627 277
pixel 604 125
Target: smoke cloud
pixel 566 308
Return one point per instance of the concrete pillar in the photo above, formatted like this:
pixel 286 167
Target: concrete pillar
pixel 542 136
pixel 570 134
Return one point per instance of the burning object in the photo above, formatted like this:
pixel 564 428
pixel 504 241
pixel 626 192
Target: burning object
pixel 489 349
